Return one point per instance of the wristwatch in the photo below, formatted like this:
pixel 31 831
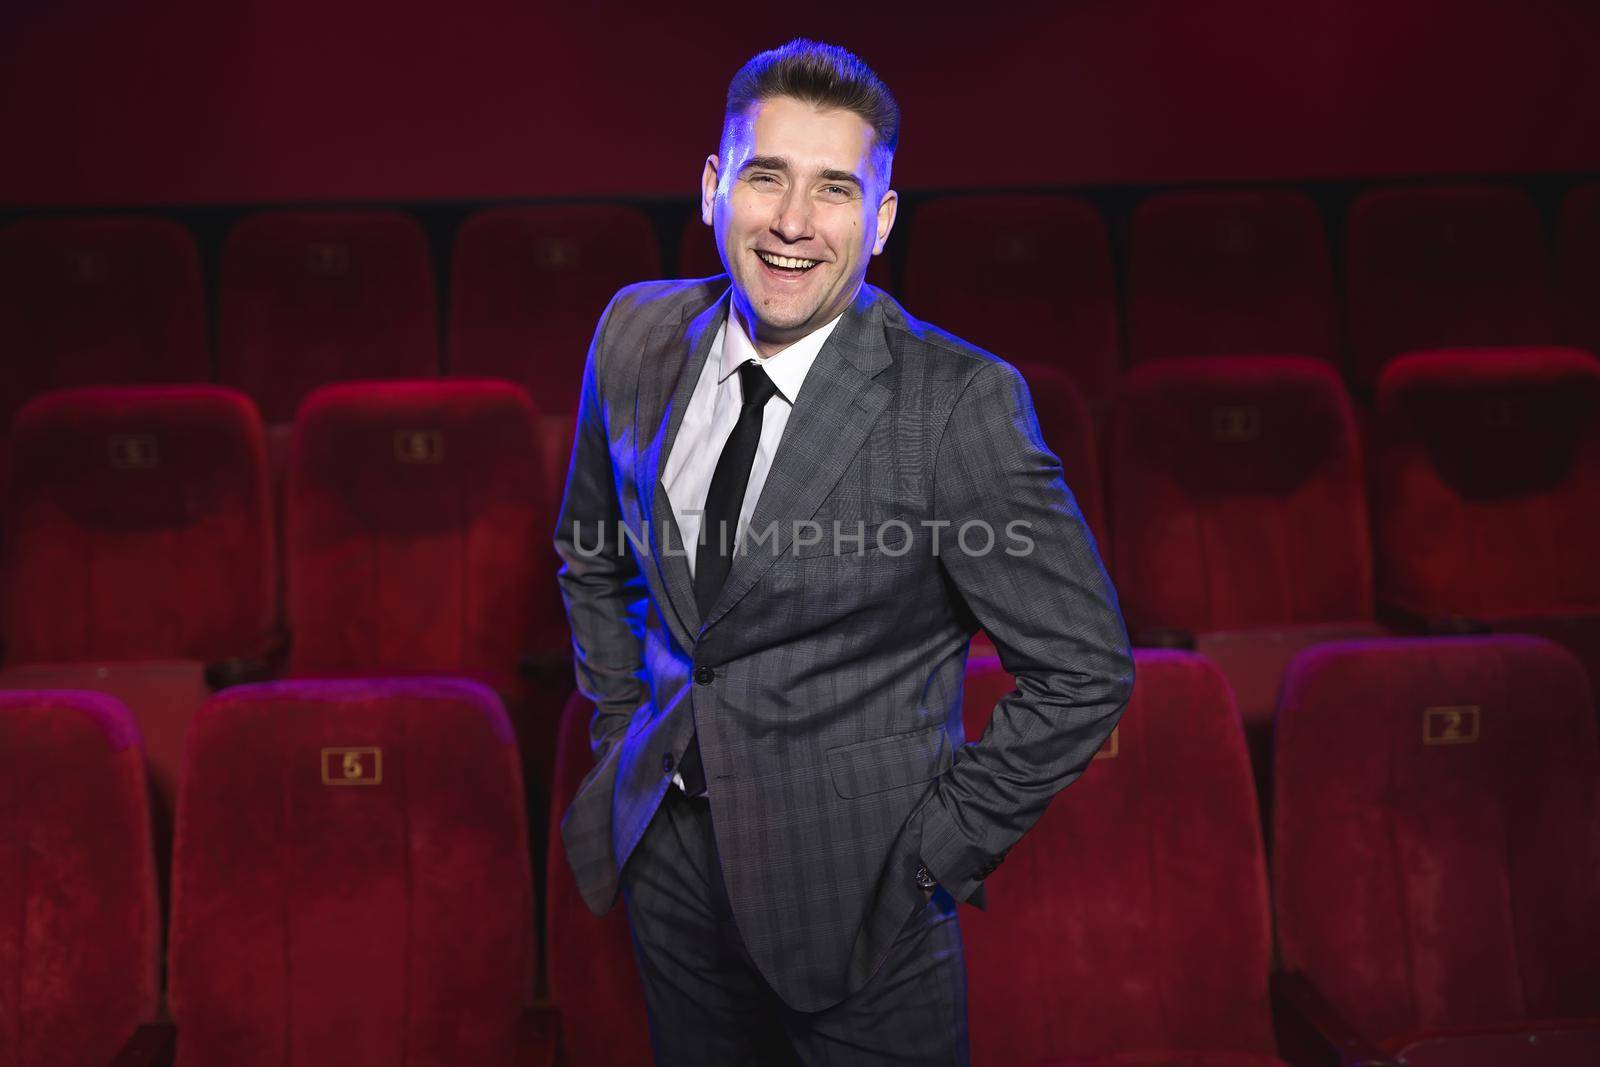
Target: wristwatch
pixel 925 878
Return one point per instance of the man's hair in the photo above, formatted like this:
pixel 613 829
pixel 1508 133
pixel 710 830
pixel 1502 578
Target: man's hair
pixel 823 75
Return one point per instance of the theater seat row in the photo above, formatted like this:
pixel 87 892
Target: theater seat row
pixel 1237 493
pixel 352 883
pixel 141 554
pixel 309 297
pixel 417 524
pixel 1435 876
pixel 1249 272
pixel 417 517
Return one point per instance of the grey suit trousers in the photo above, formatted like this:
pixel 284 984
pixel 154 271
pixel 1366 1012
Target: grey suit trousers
pixel 709 1005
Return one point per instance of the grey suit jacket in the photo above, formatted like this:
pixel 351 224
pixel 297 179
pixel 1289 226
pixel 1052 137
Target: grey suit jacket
pixel 825 684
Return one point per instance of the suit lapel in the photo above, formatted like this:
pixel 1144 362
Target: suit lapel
pixel 676 354
pixel 836 409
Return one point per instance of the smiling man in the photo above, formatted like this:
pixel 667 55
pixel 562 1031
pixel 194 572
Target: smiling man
pixel 789 507
pixel 800 198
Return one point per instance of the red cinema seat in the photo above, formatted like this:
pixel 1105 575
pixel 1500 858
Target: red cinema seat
pixel 312 297
pixel 527 286
pixel 1443 266
pixel 138 553
pixel 1219 273
pixel 698 256
pixel 98 301
pixel 1238 513
pixel 79 926
pixel 1131 924
pixel 1488 483
pixel 351 880
pixel 1487 492
pixel 418 542
pixel 418 532
pixel 163 696
pixel 1578 267
pixel 594 981
pixel 1027 277
pixel 138 527
pixel 1436 859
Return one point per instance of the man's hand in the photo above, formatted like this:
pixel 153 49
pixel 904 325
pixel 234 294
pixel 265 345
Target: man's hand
pixel 926 883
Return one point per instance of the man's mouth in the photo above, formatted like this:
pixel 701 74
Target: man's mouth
pixel 786 266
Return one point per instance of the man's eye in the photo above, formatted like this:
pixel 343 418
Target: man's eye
pixel 835 192
pixel 763 179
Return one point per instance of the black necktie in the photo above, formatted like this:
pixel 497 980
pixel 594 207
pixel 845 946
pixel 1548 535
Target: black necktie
pixel 718 525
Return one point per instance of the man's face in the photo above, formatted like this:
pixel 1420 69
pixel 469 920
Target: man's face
pixel 799 207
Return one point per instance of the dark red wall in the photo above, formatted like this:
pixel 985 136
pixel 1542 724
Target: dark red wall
pixel 272 100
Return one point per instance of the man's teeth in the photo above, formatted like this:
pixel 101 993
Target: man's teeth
pixel 787 262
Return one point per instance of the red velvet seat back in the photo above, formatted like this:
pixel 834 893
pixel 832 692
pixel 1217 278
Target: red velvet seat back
pixel 527 288
pixel 311 297
pixel 351 879
pixel 98 301
pixel 1027 277
pixel 78 918
pixel 528 284
pixel 418 531
pixel 1236 493
pixel 1488 482
pixel 594 980
pixel 1443 266
pixel 1133 917
pixel 138 527
pixel 698 256
pixel 1068 430
pixel 1222 273
pixel 1578 267
pixel 1437 831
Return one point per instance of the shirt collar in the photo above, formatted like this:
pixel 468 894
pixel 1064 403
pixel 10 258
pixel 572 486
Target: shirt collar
pixel 787 369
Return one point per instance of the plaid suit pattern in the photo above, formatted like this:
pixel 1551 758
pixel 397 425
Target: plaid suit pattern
pixel 825 683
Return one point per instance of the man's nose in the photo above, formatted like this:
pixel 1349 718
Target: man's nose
pixel 793 220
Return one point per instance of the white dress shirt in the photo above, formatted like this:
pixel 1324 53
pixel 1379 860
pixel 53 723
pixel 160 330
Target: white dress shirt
pixel 713 412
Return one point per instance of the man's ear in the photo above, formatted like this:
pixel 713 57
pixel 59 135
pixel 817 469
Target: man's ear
pixel 708 189
pixel 886 214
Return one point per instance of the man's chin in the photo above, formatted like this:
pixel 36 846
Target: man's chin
pixel 778 318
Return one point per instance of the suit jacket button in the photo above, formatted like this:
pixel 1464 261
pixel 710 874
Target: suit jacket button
pixel 704 675
pixel 666 763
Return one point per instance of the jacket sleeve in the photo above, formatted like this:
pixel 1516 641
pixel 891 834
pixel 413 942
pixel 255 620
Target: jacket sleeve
pixel 1045 600
pixel 599 577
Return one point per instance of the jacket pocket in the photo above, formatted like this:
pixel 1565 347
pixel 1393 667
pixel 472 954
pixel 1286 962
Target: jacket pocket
pixel 888 762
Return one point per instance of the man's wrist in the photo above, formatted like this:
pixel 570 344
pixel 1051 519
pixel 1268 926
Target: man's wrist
pixel 925 879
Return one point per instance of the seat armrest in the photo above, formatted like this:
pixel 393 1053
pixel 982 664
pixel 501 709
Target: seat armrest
pixel 152 1045
pixel 1312 1032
